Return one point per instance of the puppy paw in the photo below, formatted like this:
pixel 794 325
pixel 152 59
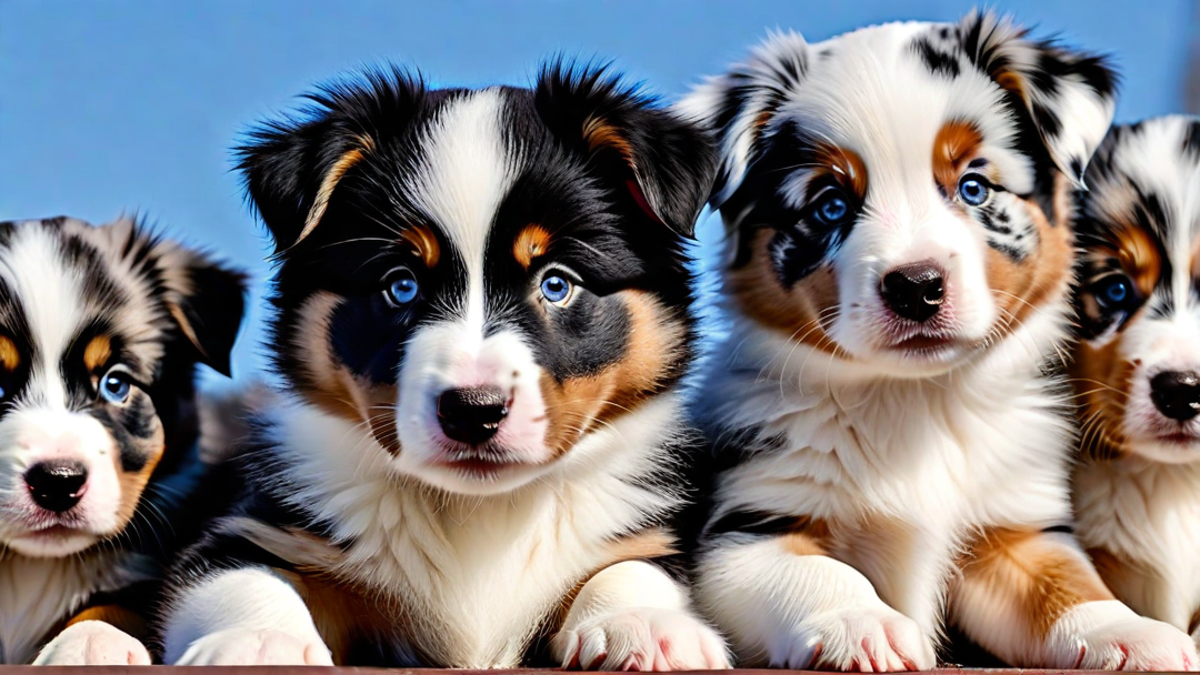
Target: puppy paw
pixel 1107 635
pixel 862 639
pixel 236 647
pixel 642 639
pixel 93 643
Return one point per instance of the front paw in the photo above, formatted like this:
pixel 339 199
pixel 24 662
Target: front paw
pixel 1107 635
pixel 640 639
pixel 864 638
pixel 236 647
pixel 93 643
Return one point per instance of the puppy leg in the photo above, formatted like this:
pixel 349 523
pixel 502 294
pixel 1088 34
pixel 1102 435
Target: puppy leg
pixel 247 616
pixel 1034 600
pixel 632 616
pixel 786 604
pixel 98 636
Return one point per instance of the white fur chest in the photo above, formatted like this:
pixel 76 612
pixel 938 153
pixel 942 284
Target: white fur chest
pixel 37 594
pixel 903 470
pixel 479 575
pixel 1147 514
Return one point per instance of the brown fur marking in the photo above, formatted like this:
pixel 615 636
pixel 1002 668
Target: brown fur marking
pixel 801 311
pixel 329 182
pixel 97 353
pixel 532 242
pixel 577 405
pixel 846 166
pixel 1041 576
pixel 956 144
pixel 114 615
pixel 424 243
pixel 10 357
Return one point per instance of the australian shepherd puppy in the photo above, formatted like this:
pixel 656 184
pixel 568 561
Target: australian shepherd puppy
pixel 1136 368
pixel 483 319
pixel 101 329
pixel 889 451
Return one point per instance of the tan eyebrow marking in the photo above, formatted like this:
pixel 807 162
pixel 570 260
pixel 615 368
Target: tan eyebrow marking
pixel 956 142
pixel 97 352
pixel 424 242
pixel 10 358
pixel 533 241
pixel 845 165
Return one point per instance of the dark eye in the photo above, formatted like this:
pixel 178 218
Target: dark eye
pixel 973 189
pixel 831 208
pixel 115 387
pixel 1113 292
pixel 556 288
pixel 401 287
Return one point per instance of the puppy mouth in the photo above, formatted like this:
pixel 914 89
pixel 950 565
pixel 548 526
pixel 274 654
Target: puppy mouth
pixel 483 461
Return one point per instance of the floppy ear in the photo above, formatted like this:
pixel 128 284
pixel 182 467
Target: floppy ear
pixel 206 300
pixel 291 167
pixel 738 106
pixel 663 162
pixel 1069 94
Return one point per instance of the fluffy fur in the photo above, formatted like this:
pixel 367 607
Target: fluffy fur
pixel 100 332
pixel 1137 487
pixel 482 323
pixel 888 449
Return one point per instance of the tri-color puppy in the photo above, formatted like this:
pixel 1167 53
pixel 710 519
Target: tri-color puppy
pixel 899 207
pixel 101 329
pixel 483 319
pixel 1136 368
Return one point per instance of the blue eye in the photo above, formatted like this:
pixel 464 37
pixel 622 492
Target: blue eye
pixel 832 209
pixel 402 288
pixel 115 387
pixel 1114 291
pixel 973 190
pixel 555 288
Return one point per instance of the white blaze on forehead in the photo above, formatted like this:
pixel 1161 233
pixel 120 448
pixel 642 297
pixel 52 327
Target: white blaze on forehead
pixel 50 294
pixel 468 170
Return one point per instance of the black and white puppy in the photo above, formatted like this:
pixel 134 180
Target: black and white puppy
pixel 1136 368
pixel 894 457
pixel 101 329
pixel 483 319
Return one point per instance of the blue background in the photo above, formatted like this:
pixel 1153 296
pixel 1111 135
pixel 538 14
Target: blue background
pixel 111 106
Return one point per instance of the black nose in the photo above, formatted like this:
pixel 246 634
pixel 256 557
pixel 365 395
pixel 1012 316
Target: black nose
pixel 56 485
pixel 472 415
pixel 1176 395
pixel 914 291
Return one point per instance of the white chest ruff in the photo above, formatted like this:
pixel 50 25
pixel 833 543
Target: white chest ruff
pixel 1148 515
pixel 36 595
pixel 479 575
pixel 903 470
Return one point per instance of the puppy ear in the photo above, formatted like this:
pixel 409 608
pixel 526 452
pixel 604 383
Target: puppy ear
pixel 206 299
pixel 665 163
pixel 1069 94
pixel 738 106
pixel 291 167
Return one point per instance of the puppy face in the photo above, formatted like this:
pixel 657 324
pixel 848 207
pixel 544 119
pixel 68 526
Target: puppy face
pixel 1138 362
pixel 100 329
pixel 893 191
pixel 481 278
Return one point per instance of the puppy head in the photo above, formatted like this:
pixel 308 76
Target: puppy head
pixel 100 331
pixel 896 195
pixel 1137 364
pixel 484 279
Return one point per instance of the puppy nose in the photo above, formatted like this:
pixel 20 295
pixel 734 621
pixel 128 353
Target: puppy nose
pixel 1176 394
pixel 472 415
pixel 914 291
pixel 57 485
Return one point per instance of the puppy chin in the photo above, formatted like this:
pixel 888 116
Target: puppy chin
pixel 53 542
pixel 497 467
